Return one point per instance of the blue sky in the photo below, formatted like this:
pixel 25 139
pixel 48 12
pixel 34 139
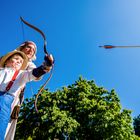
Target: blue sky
pixel 74 30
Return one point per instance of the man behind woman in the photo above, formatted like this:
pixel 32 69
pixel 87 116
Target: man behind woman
pixel 13 65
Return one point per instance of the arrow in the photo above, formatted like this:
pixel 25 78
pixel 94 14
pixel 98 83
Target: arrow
pixel 111 46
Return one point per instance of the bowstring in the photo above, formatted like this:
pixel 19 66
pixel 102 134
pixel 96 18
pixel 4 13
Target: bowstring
pixel 23 37
pixel 22 29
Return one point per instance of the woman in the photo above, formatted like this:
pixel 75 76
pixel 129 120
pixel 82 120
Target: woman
pixel 15 61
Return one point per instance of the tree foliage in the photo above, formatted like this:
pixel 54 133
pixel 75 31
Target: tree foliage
pixel 136 124
pixel 81 111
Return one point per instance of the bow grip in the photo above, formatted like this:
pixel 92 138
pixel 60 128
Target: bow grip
pixel 48 61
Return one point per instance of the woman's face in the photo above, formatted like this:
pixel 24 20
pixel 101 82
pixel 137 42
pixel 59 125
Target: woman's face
pixel 15 62
pixel 29 51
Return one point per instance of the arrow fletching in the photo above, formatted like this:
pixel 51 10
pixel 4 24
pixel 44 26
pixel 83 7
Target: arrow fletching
pixel 107 46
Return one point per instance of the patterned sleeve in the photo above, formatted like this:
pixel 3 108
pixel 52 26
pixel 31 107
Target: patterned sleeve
pixel 27 76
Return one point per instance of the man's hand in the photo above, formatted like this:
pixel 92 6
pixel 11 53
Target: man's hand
pixel 49 60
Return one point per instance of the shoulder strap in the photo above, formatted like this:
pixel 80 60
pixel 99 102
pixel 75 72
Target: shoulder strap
pixel 12 80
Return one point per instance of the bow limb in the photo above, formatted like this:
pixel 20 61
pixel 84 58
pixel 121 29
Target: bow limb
pixel 41 89
pixel 38 30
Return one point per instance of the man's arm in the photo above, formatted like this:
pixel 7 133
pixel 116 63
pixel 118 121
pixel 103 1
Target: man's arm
pixel 46 67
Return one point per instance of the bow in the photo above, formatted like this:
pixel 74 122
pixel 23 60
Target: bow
pixel 45 51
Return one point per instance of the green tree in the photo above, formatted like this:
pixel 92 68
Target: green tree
pixel 81 111
pixel 136 124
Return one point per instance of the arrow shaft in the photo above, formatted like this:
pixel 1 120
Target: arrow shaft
pixel 126 46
